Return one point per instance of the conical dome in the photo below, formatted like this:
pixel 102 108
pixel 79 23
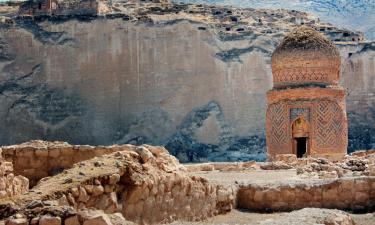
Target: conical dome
pixel 305 57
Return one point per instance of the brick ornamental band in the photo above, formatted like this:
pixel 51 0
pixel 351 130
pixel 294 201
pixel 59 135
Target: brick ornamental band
pixel 306 112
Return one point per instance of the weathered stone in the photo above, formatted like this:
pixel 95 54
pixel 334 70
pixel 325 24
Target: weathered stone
pixel 97 190
pixel 94 218
pixel 72 221
pixel 34 221
pixel 49 220
pixel 114 178
pixel 83 196
pixel 20 221
pixel 144 153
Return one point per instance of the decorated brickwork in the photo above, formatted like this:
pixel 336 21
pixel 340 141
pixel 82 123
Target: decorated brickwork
pixel 306 112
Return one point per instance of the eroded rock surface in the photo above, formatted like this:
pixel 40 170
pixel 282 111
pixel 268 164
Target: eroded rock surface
pixel 189 77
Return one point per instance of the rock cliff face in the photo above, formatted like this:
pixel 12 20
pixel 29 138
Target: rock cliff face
pixel 356 14
pixel 190 77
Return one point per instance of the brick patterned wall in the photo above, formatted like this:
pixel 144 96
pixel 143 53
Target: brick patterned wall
pixel 330 128
pixel 305 67
pixel 325 111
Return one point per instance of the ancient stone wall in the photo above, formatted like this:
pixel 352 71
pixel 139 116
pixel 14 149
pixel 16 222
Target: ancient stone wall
pixel 344 193
pixel 38 159
pixel 11 185
pixel 145 184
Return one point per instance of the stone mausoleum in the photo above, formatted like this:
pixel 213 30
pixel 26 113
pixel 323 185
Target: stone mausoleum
pixel 306 113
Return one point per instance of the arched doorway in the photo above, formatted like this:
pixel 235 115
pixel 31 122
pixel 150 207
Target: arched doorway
pixel 300 131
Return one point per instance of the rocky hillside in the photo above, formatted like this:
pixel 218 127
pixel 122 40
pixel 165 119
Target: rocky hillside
pixel 190 77
pixel 354 14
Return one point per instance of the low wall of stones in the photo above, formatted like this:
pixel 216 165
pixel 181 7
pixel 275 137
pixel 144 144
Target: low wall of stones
pixel 145 184
pixel 38 159
pixel 356 193
pixel 11 185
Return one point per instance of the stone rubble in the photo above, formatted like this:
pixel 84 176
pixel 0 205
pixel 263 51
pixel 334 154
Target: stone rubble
pixel 144 184
pixel 349 167
pixel 11 185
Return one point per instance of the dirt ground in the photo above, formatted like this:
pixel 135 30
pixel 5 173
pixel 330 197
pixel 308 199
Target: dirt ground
pixel 233 177
pixel 237 217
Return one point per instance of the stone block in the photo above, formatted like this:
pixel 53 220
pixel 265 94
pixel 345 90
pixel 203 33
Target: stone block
pixel 72 221
pixel 19 221
pixel 49 220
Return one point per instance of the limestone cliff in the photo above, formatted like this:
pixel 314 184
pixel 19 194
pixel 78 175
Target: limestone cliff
pixel 190 77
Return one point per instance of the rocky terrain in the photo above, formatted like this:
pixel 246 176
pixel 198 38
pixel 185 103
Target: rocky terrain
pixel 189 77
pixel 126 184
pixel 355 14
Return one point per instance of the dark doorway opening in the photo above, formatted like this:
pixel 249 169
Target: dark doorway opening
pixel 301 146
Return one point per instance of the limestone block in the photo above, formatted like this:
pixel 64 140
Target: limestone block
pixel 114 178
pixel 144 153
pixel 49 220
pixel 34 221
pixel 361 185
pixel 2 183
pixel 258 196
pixel 83 196
pixel 109 188
pixel 42 152
pixel 156 150
pixel 99 220
pixel 134 195
pixel 67 151
pixel 118 219
pixel 72 221
pixel 19 221
pixel 371 169
pixel 361 197
pixel 6 167
pixel 75 192
pixel 3 194
pixel 54 153
pixel 94 217
pixel 89 188
pixel 108 203
pixel 97 190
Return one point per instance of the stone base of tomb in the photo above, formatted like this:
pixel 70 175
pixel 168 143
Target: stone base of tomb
pixel 314 115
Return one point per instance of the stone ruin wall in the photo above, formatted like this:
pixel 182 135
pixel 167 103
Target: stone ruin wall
pixel 145 184
pixel 356 194
pixel 162 198
pixel 37 159
pixel 10 184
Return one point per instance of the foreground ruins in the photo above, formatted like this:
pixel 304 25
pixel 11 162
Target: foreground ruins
pixel 146 185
